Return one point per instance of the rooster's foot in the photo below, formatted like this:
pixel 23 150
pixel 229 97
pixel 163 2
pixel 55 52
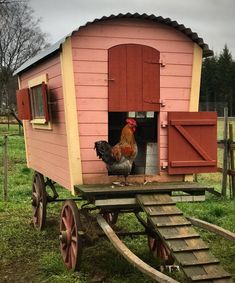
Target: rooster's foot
pixel 119 184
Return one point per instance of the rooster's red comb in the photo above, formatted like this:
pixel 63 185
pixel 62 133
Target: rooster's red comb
pixel 131 121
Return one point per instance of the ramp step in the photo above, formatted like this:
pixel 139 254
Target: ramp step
pixel 210 277
pixel 191 249
pixel 163 210
pixel 199 262
pixel 185 244
pixel 151 203
pixel 186 236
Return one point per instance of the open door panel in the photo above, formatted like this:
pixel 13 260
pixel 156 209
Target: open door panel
pixel 192 142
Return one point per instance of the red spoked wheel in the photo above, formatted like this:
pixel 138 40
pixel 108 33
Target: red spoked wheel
pixel 39 201
pixel 110 217
pixel 160 251
pixel 70 240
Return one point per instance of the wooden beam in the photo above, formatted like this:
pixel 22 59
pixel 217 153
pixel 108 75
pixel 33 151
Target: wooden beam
pixel 232 163
pixel 130 257
pixel 212 228
pixel 225 157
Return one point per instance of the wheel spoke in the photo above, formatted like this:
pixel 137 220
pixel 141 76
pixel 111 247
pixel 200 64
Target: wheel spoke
pixel 67 252
pixel 65 222
pixel 73 253
pixel 74 239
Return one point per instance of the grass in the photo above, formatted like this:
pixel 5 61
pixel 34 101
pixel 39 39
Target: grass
pixel 27 255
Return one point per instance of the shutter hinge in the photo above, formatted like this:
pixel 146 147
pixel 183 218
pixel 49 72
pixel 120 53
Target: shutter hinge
pixel 161 62
pixel 161 102
pixel 164 164
pixel 164 124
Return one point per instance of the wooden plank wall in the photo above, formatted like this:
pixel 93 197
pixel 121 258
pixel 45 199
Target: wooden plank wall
pixel 90 46
pixel 47 149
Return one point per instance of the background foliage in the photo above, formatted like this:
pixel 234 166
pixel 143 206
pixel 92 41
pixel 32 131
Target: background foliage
pixel 218 83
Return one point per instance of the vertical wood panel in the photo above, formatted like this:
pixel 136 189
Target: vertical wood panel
pixel 117 78
pixel 151 79
pixel 134 77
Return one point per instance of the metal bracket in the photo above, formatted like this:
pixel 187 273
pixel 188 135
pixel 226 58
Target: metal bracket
pixel 161 102
pixel 164 165
pixel 164 124
pixel 160 62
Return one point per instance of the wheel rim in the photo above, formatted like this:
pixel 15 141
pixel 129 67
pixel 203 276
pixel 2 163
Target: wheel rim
pixel 39 201
pixel 70 241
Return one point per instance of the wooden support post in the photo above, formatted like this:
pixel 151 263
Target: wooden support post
pixel 232 164
pixel 8 121
pixel 5 168
pixel 225 158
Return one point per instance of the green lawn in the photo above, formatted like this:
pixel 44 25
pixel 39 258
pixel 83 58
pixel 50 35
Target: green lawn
pixel 27 255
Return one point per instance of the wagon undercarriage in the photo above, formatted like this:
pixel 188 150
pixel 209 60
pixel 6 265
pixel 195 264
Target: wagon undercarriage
pixel 171 237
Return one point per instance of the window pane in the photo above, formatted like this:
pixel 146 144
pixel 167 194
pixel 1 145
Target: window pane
pixel 37 102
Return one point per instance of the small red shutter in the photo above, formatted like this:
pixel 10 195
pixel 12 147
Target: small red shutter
pixel 45 102
pixel 23 104
pixel 192 142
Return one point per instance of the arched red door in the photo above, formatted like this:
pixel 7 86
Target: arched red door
pixel 134 78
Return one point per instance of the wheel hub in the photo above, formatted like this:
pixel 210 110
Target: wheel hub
pixel 65 237
pixel 35 200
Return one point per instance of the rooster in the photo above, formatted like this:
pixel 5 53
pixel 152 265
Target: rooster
pixel 119 158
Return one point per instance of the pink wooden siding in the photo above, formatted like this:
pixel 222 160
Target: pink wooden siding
pixel 90 54
pixel 47 149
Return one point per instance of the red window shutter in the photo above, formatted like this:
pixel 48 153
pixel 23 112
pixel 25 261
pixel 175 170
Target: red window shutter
pixel 23 104
pixel 192 142
pixel 45 101
pixel 133 78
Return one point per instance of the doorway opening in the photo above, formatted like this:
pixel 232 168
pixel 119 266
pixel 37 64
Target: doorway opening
pixel 146 135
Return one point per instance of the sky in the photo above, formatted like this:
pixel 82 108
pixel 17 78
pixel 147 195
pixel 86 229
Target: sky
pixel 213 20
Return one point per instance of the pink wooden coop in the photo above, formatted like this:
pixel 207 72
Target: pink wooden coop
pixel 82 89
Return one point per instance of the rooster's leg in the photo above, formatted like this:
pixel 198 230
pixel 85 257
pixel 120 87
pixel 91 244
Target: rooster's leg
pixel 126 183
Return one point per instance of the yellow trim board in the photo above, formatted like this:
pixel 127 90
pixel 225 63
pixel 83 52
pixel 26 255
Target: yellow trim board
pixel 71 119
pixel 40 123
pixel 196 78
pixel 38 80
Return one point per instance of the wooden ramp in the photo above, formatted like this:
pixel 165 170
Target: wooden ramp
pixel 185 244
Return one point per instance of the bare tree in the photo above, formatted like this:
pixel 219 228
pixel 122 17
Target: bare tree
pixel 20 39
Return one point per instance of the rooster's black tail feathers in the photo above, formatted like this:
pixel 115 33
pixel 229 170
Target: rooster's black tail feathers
pixel 104 151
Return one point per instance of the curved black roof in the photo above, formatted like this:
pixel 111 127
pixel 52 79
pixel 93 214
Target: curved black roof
pixel 158 19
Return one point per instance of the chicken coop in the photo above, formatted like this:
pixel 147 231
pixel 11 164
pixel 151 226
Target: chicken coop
pixel 78 94
pixel 82 89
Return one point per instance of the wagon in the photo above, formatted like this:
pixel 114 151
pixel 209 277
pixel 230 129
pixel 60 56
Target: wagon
pixel 81 90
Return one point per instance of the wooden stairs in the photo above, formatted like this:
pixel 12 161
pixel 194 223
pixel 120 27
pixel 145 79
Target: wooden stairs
pixel 185 244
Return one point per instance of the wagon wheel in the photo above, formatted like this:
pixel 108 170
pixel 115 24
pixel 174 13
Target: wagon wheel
pixel 39 201
pixel 70 240
pixel 110 217
pixel 159 250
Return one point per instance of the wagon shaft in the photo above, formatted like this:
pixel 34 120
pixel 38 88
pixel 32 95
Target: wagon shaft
pixel 177 233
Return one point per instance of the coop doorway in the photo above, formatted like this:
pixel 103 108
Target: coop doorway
pixel 146 135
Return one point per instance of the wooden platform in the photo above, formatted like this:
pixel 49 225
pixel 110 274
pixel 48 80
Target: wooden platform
pixel 105 191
